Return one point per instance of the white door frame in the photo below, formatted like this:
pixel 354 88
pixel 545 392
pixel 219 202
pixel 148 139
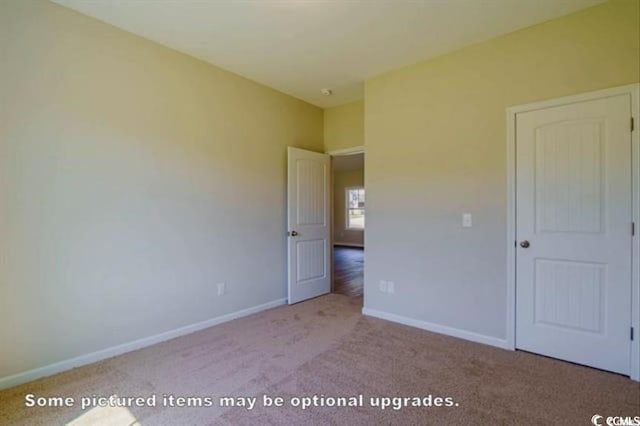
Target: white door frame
pixel 347 151
pixel 633 90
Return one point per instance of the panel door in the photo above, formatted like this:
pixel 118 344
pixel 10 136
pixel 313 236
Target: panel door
pixel 308 224
pixel 574 214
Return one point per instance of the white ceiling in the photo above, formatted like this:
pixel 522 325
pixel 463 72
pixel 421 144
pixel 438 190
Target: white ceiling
pixel 301 46
pixel 347 163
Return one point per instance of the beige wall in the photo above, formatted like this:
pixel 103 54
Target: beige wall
pixel 344 126
pixel 435 143
pixel 132 180
pixel 342 181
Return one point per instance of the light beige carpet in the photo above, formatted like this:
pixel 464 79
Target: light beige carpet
pixel 325 346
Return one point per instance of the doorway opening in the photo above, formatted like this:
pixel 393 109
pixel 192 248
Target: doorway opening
pixel 349 222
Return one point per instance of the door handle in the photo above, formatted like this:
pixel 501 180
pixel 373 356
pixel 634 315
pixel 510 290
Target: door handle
pixel 293 234
pixel 525 244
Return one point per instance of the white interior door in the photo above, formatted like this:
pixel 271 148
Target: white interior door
pixel 574 216
pixel 308 224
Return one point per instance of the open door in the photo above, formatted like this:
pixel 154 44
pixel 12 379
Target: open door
pixel 308 213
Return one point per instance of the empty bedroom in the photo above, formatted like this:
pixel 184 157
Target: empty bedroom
pixel 323 212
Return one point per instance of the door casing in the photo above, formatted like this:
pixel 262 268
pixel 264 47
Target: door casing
pixel 633 90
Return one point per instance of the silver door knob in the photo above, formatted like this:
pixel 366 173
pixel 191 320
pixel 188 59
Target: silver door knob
pixel 525 244
pixel 293 234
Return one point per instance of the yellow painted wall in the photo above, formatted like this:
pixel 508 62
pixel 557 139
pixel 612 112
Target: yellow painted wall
pixel 133 179
pixel 344 126
pixel 436 147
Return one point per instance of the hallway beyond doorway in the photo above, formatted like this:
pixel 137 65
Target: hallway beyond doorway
pixel 348 270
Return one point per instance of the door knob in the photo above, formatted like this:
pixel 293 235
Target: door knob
pixel 293 234
pixel 525 244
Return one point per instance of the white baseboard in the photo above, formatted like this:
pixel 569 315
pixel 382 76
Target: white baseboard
pixel 58 367
pixel 437 328
pixel 335 243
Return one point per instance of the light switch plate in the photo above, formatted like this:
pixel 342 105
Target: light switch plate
pixel 467 220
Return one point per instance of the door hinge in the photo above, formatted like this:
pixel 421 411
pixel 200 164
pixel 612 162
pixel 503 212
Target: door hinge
pixel 632 333
pixel 633 229
pixel 632 124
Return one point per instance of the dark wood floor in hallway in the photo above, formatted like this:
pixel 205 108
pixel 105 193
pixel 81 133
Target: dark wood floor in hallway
pixel 348 270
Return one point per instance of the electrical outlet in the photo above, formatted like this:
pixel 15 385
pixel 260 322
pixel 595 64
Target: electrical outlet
pixel 383 286
pixel 467 220
pixel 221 289
pixel 391 287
